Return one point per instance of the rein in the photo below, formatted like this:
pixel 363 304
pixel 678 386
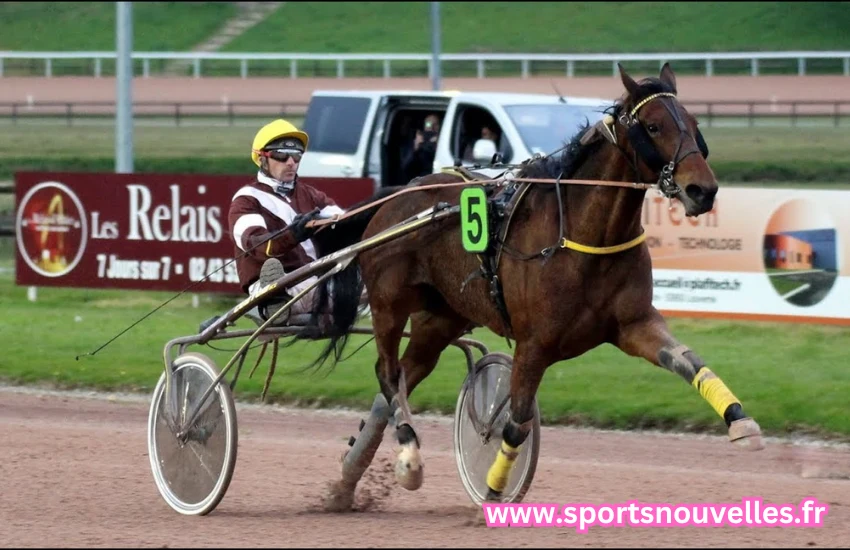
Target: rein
pixel 636 133
pixel 508 180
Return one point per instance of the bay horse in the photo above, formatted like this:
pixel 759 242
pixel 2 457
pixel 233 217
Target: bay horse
pixel 594 287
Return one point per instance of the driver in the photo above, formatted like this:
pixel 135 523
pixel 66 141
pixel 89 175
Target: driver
pixel 274 201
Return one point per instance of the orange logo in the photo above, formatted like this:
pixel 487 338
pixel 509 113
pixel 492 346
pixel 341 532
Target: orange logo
pixel 51 229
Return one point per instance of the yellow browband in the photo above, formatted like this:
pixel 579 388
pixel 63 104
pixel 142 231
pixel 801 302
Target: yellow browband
pixel 648 99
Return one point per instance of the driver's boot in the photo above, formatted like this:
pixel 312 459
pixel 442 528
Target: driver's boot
pixel 271 271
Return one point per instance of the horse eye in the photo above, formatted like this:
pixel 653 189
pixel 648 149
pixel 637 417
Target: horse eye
pixel 653 128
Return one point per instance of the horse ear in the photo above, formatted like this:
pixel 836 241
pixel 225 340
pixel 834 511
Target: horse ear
pixel 668 77
pixel 631 86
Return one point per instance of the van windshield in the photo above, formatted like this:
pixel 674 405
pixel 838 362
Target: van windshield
pixel 335 124
pixel 546 128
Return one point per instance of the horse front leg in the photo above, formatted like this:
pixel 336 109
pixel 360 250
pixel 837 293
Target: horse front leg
pixel 526 375
pixel 650 338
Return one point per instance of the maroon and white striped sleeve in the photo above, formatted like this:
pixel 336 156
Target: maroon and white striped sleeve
pixel 245 223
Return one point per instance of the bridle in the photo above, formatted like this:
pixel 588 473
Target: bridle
pixel 644 147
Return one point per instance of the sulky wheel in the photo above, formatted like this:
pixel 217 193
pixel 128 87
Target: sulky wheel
pixel 478 433
pixel 192 465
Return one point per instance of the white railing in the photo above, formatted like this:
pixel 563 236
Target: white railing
pixel 480 60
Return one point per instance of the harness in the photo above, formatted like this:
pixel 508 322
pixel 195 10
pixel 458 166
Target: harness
pixel 500 206
pixel 503 204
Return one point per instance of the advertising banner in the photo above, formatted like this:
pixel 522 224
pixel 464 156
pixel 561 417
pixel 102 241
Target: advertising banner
pixel 135 231
pixel 772 254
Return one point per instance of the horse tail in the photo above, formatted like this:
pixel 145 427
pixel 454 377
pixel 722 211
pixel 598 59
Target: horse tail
pixel 344 289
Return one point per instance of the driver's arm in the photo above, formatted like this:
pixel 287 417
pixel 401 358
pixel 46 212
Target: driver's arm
pixel 249 231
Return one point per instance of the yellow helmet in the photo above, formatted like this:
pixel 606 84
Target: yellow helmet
pixel 274 130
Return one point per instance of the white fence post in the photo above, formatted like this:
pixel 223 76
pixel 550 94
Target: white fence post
pixel 525 61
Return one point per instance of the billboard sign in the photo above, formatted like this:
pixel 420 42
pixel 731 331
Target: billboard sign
pixel 771 254
pixel 135 231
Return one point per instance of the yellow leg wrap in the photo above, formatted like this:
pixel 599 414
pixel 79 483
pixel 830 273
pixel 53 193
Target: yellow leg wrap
pixel 497 477
pixel 713 390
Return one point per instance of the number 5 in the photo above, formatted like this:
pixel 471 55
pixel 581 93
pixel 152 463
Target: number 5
pixel 473 219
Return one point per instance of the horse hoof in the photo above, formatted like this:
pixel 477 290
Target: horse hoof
pixel 409 471
pixel 340 498
pixel 746 434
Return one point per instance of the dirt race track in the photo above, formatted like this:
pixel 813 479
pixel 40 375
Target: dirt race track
pixel 75 472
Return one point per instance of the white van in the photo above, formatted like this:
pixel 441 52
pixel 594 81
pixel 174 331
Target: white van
pixel 366 134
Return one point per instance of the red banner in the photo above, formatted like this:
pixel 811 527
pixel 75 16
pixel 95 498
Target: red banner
pixel 136 231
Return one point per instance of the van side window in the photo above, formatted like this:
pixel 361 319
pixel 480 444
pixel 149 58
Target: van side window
pixel 335 124
pixel 474 123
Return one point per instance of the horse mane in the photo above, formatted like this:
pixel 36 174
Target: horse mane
pixel 563 165
pixel 574 153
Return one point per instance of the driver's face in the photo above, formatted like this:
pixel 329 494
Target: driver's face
pixel 284 171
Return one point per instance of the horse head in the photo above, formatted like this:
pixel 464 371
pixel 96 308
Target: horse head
pixel 663 139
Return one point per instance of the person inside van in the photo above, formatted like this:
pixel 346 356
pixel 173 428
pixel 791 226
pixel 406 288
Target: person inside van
pixel 418 158
pixel 276 200
pixel 486 133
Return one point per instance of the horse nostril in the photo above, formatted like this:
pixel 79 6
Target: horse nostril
pixel 695 192
pixel 700 195
pixel 709 195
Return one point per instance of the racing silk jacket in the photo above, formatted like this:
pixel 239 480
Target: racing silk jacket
pixel 256 209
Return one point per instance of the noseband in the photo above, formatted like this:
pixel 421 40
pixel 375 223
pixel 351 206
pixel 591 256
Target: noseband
pixel 645 148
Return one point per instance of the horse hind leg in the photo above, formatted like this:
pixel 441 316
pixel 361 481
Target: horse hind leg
pixel 358 458
pixel 651 339
pixel 388 328
pixel 389 316
pixel 431 333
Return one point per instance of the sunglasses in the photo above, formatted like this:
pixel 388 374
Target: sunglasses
pixel 283 155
